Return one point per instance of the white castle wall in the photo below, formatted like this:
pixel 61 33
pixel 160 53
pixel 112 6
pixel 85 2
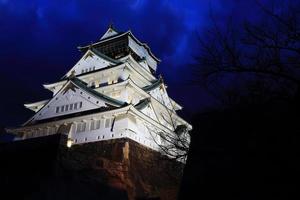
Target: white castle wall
pixel 126 127
pixel 89 62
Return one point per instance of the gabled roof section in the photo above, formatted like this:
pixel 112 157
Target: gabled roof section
pixel 108 99
pixel 117 35
pixel 109 33
pixel 36 106
pixel 144 45
pixel 79 88
pixel 90 61
pixel 137 66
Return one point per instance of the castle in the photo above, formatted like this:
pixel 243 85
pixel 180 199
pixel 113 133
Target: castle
pixel 110 93
pixel 115 120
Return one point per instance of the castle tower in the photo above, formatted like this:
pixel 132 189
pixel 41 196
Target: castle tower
pixel 110 93
pixel 111 100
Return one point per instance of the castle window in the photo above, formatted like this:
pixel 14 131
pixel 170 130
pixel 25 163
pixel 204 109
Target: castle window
pixel 62 108
pixel 81 127
pixel 41 132
pixel 46 131
pixel 82 71
pixel 57 109
pixel 52 130
pixel 75 106
pixel 67 107
pixel 98 123
pixel 80 104
pixel 107 123
pixel 112 135
pixel 71 106
pixel 94 68
pixel 93 125
pixel 78 128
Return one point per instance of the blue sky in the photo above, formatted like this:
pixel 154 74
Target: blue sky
pixel 39 40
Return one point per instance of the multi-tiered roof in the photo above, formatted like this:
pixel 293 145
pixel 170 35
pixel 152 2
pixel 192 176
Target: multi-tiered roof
pixel 111 92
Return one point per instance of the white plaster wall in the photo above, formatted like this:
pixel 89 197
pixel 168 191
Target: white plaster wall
pixel 89 63
pixel 145 65
pixel 125 126
pixel 143 53
pixel 161 96
pixel 88 102
pixel 149 112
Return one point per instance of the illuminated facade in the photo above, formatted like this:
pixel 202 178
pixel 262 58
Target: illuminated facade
pixel 110 93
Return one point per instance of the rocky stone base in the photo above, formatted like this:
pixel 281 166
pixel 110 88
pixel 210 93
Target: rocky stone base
pixel 124 165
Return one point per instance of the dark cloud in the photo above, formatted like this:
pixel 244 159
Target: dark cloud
pixel 39 39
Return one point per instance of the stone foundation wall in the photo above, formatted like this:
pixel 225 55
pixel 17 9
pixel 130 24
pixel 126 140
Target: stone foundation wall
pixel 124 165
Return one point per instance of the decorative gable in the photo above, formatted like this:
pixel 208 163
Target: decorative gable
pixel 110 32
pixel 90 61
pixel 70 99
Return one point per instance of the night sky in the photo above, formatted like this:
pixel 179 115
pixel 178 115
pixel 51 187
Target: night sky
pixel 39 40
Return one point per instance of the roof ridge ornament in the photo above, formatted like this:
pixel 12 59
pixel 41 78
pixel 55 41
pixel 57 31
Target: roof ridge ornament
pixel 111 25
pixel 111 31
pixel 161 78
pixel 91 45
pixel 72 75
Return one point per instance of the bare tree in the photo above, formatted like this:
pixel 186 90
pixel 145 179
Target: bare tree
pixel 175 142
pixel 174 145
pixel 264 55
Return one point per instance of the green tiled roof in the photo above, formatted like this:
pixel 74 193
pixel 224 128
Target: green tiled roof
pixel 98 53
pixel 153 85
pixel 106 98
pixel 142 104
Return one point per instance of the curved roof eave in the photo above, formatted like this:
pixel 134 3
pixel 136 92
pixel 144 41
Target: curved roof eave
pixel 142 104
pixel 106 98
pixel 145 46
pixel 153 86
pixel 105 57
